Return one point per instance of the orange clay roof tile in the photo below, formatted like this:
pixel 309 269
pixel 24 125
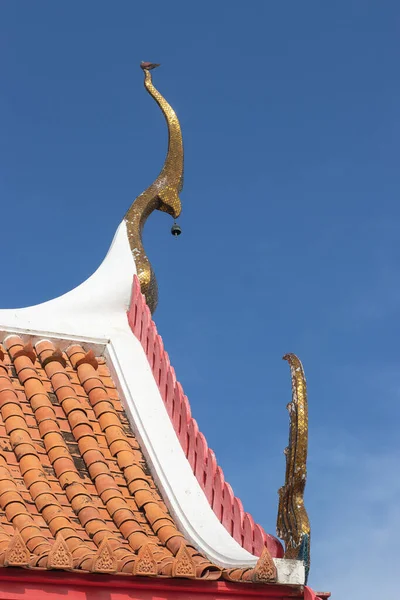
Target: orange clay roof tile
pixel 75 489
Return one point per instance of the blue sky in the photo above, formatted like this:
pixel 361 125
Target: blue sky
pixel 290 221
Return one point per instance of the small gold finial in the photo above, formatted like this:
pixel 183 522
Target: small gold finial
pixel 162 194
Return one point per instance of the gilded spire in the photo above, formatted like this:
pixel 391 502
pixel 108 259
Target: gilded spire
pixel 293 525
pixel 162 194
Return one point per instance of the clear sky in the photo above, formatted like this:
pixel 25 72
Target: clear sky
pixel 290 116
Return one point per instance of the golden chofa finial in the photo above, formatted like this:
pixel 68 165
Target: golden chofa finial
pixel 162 194
pixel 293 525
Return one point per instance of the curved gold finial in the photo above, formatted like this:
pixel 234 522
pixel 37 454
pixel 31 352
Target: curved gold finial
pixel 293 525
pixel 162 194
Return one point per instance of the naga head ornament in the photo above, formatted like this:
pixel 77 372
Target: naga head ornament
pixel 293 525
pixel 162 194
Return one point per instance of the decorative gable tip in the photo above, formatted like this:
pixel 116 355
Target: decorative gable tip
pixel 265 569
pixel 89 359
pixel 145 563
pixel 56 356
pixel 59 556
pixel 17 554
pixel 105 560
pixel 27 351
pixel 183 565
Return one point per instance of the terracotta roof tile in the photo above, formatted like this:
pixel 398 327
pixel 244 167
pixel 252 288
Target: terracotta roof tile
pixel 75 488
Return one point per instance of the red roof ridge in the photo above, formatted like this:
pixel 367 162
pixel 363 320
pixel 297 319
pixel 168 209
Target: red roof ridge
pixel 227 507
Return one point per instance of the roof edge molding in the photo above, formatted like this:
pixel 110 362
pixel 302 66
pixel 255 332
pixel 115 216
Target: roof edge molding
pixel 51 584
pixel 82 311
pixel 226 506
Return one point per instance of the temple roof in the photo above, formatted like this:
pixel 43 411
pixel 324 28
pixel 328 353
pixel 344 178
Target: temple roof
pixel 103 469
pixel 75 488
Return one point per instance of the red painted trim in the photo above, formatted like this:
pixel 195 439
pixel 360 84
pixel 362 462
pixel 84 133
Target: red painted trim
pixel 20 584
pixel 309 594
pixel 226 506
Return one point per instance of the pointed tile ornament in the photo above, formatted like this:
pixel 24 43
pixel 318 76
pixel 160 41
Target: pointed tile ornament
pixel 17 554
pixel 56 356
pixel 27 351
pixel 89 359
pixel 105 560
pixel 145 563
pixel 59 556
pixel 265 569
pixel 183 565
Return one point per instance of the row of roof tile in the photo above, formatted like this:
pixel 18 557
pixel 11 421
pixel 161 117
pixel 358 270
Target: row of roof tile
pixel 75 489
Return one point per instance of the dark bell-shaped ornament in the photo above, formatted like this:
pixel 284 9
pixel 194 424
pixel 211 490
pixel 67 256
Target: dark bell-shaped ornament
pixel 176 230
